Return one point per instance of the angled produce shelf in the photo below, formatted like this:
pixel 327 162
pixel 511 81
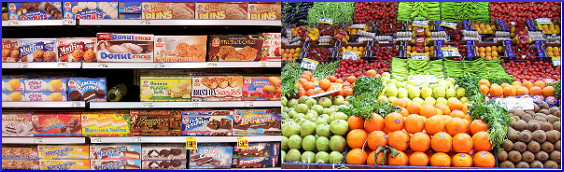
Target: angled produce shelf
pixel 43 140
pixel 260 64
pixel 180 22
pixel 63 104
pixel 42 65
pixel 181 139
pixel 164 105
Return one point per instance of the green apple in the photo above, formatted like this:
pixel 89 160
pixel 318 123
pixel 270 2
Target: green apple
pixel 418 100
pixel 401 84
pixel 464 99
pixel 451 92
pixel 442 100
pixel 439 92
pixel 412 82
pixel 450 99
pixel 386 75
pixel 444 84
pixel 426 92
pixel 432 86
pixel 391 91
pixel 460 92
pixel 382 98
pixel 430 100
pixel 400 79
pixel 402 92
pixel 392 99
pixel 414 92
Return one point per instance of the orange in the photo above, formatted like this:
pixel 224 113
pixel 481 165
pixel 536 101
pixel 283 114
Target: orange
pixel 478 125
pixel 485 82
pixel 540 84
pixel 351 79
pixel 481 141
pixel 346 84
pixel 403 111
pixel 496 91
pixel 528 84
pixel 462 160
pixel 310 92
pixel 332 78
pixel 400 159
pixel 535 90
pixel 414 123
pixel 465 107
pixel 374 123
pixel 413 107
pixel 398 140
pixel 441 142
pixel 301 92
pixel 380 158
pixel 356 138
pixel 458 114
pixel 504 85
pixel 420 142
pixel 377 139
pixel 308 73
pixel 434 125
pixel 306 77
pixel 324 84
pixel 484 159
pixel 462 143
pixel 455 125
pixel 548 91
pixel 455 105
pixel 427 110
pixel 509 91
pixel 516 83
pixel 484 89
pixel 320 91
pixel 522 90
pixel 308 85
pixel 355 122
pixel 356 156
pixel 440 159
pixel 401 102
pixel 444 108
pixel 418 159
pixel 339 81
pixel 394 121
pixel 371 73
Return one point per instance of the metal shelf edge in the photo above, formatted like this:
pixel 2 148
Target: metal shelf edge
pixel 41 65
pixel 156 105
pixel 61 104
pixel 43 140
pixel 181 139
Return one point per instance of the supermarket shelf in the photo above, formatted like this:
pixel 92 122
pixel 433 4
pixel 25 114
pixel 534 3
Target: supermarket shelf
pixel 161 105
pixel 181 139
pixel 43 140
pixel 295 165
pixel 260 64
pixel 30 23
pixel 42 65
pixel 180 23
pixel 63 104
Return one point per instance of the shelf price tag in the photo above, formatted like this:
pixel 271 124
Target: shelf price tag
pixel 212 64
pixel 37 140
pixel 13 23
pixel 309 64
pixel 195 104
pixel 137 139
pixel 449 25
pixel 145 22
pixel 420 23
pixel 148 105
pixel 556 61
pixel 262 63
pixel 326 20
pixel 419 56
pixel 543 21
pixel 191 143
pixel 75 104
pixel 22 65
pixel 450 52
pixel 515 103
pixel 102 65
pixel 62 64
pixel 159 65
pixel 248 104
pixel 95 140
pixel 242 142
pixel 349 54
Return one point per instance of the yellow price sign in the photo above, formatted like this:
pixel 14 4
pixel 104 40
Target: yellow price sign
pixel 191 143
pixel 242 142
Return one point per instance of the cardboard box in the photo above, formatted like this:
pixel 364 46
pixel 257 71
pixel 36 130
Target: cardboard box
pixel 35 11
pixel 133 16
pixel 235 48
pixel 56 124
pixel 165 88
pixel 49 84
pixel 124 48
pixel 20 164
pixel 264 149
pixel 271 47
pixel 87 89
pixel 217 88
pixel 256 122
pixel 163 152
pixel 155 122
pixel 255 162
pixel 115 164
pixel 42 96
pixel 78 49
pixel 13 88
pixel 207 123
pixel 19 152
pixel 167 10
pixel 105 124
pixel 164 165
pixel 10 51
pixel 264 11
pixel 233 11
pixel 63 152
pixel 211 156
pixel 38 50
pixel 64 164
pixel 180 48
pixel 90 10
pixel 254 89
pixel 16 124
pixel 115 151
pixel 130 7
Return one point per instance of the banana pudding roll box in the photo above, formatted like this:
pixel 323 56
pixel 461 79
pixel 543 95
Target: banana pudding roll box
pixel 13 88
pixel 159 88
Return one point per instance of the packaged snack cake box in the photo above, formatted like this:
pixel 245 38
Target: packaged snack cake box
pixel 271 47
pixel 211 156
pixel 41 88
pixel 130 10
pixel 90 10
pixel 87 89
pixel 10 50
pixel 160 88
pixel 106 123
pixel 163 152
pixel 255 162
pixel 261 88
pixel 35 10
pixel 256 122
pixel 16 123
pixel 235 48
pixel 38 50
pixel 56 124
pixel 19 152
pixel 124 48
pixel 13 88
pixel 115 164
pixel 263 149
pixel 217 88
pixel 167 10
pixel 78 49
pixel 218 10
pixel 63 152
pixel 20 164
pixel 64 164
pixel 115 151
pixel 155 122
pixel 163 164
pixel 265 11
pixel 207 122
pixel 180 48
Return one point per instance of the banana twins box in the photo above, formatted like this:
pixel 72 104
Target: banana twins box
pixel 105 124
pixel 63 152
pixel 165 88
pixel 64 164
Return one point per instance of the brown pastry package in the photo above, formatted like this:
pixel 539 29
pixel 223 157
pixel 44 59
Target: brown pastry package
pixel 155 122
pixel 235 48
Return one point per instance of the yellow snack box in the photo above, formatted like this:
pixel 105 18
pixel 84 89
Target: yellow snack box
pixel 64 164
pixel 165 88
pixel 110 124
pixel 63 152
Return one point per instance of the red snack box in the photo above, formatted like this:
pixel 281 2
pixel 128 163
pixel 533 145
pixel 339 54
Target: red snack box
pixel 56 124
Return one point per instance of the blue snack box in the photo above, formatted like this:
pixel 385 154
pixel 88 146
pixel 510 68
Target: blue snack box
pixel 255 162
pixel 35 11
pixel 90 10
pixel 130 16
pixel 87 89
pixel 211 156
pixel 256 122
pixel 207 123
pixel 38 50
pixel 263 149
pixel 130 7
pixel 115 164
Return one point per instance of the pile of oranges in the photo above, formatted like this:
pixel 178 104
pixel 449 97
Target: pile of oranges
pixel 516 89
pixel 423 134
pixel 309 85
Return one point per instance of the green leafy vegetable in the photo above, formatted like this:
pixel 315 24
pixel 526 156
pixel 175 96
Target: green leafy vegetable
pixel 290 75
pixel 364 100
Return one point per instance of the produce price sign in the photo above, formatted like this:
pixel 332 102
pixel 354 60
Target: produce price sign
pixel 543 21
pixel 420 23
pixel 450 52
pixel 515 103
pixel 556 61
pixel 358 26
pixel 350 54
pixel 423 78
pixel 309 64
pixel 326 20
pixel 191 143
pixel 449 25
pixel 419 56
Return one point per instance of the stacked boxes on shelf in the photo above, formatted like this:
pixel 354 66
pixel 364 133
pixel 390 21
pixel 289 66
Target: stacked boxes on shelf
pixel 163 156
pixel 64 157
pixel 115 156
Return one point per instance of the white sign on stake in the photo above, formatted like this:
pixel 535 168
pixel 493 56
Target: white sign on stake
pixel 516 103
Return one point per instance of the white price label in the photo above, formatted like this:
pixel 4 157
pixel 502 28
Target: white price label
pixel 350 55
pixel 22 65
pixel 326 20
pixel 543 21
pixel 515 103
pixel 68 22
pixel 556 61
pixel 450 52
pixel 450 25
pixel 262 63
pixel 145 22
pixel 75 104
pixel 95 140
pixel 249 104
pixel 212 64
pixel 358 26
pixel 309 64
pixel 13 23
pixel 420 23
pixel 196 104
pixel 148 105
pixel 37 140
pixel 419 56
pixel 423 78
pixel 137 139
pixel 102 65
pixel 62 64
pixel 159 65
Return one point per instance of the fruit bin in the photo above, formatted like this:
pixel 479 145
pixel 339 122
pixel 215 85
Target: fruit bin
pixel 320 53
pixel 382 51
pixel 290 52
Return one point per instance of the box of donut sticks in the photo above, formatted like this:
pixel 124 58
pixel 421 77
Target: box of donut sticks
pixel 124 48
